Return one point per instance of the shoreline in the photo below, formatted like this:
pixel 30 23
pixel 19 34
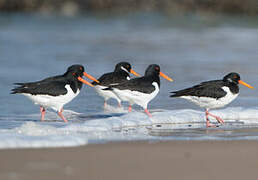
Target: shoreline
pixel 134 160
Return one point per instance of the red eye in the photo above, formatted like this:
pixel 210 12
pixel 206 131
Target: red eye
pixel 80 68
pixel 157 68
pixel 73 74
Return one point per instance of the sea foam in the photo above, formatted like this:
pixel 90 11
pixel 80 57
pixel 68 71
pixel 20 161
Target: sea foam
pixel 118 126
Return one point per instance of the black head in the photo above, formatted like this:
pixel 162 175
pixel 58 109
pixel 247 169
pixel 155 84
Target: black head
pixel 125 66
pixel 235 79
pixel 76 70
pixel 152 69
pixel 232 78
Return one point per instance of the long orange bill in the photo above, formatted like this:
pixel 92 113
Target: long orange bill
pixel 90 77
pixel 245 84
pixel 134 73
pixel 165 76
pixel 85 82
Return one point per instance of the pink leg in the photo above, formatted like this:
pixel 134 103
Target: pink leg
pixel 208 124
pixel 119 105
pixel 105 104
pixel 130 108
pixel 61 115
pixel 42 111
pixel 147 112
pixel 217 118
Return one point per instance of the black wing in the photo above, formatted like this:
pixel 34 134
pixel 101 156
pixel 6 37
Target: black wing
pixel 111 78
pixel 211 89
pixel 53 78
pixel 53 88
pixel 142 84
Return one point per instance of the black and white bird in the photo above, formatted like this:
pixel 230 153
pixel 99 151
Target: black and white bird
pixel 120 74
pixel 213 94
pixel 140 90
pixel 54 92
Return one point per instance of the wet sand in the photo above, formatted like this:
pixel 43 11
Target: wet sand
pixel 135 160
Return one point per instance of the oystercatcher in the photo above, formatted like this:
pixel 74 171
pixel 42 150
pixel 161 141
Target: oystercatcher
pixel 213 94
pixel 54 92
pixel 120 74
pixel 140 90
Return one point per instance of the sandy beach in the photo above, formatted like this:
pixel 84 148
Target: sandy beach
pixel 134 160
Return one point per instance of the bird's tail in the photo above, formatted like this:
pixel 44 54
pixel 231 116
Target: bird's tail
pixel 16 90
pixel 179 93
pixel 21 88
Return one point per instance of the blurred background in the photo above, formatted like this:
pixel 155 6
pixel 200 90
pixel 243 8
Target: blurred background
pixel 192 41
pixel 71 7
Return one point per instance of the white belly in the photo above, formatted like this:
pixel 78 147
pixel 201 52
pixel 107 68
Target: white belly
pixel 135 97
pixel 106 94
pixel 212 103
pixel 54 102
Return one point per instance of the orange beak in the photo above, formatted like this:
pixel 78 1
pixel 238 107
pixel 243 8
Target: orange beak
pixel 245 84
pixel 90 77
pixel 165 76
pixel 134 73
pixel 85 82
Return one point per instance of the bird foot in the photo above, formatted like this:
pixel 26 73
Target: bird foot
pixel 208 124
pixel 42 111
pixel 148 113
pixel 220 120
pixel 105 105
pixel 130 108
pixel 62 116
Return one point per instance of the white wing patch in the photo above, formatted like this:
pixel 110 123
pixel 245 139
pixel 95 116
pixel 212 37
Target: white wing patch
pixel 113 84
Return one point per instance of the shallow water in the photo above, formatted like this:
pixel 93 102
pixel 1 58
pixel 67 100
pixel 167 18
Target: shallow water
pixel 190 49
